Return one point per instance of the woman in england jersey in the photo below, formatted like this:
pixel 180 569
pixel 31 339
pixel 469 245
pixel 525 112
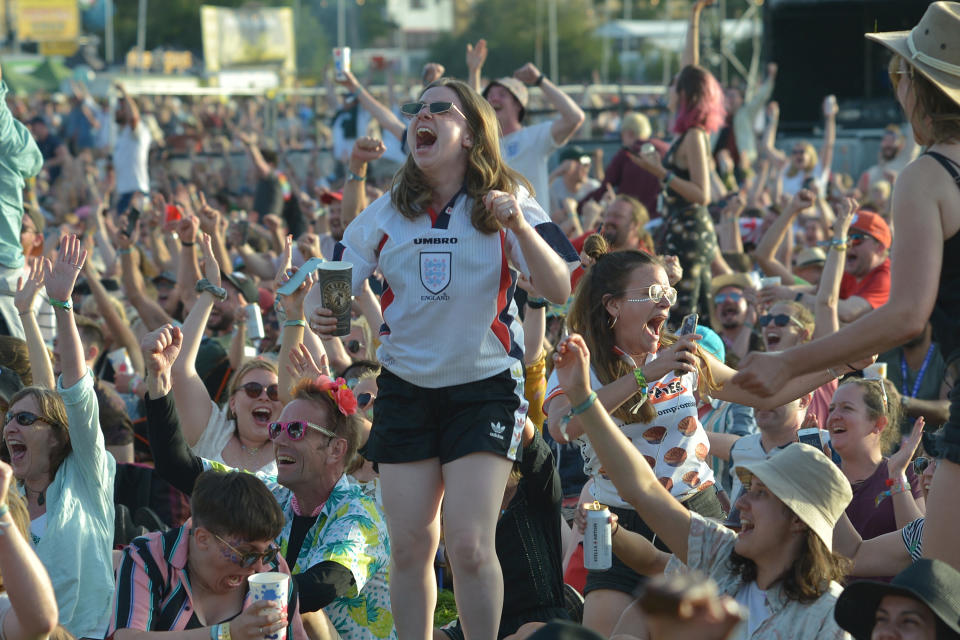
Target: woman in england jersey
pixel 449 238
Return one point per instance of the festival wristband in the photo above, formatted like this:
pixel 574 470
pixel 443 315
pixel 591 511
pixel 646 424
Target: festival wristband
pixel 62 304
pixel 356 177
pixel 295 323
pixel 580 408
pixel 641 380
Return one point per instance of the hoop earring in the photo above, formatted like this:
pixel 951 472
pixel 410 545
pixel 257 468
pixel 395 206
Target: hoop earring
pixel 610 325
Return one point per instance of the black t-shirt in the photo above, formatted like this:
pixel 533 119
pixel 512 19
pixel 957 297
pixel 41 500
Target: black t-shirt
pixel 48 149
pixel 268 196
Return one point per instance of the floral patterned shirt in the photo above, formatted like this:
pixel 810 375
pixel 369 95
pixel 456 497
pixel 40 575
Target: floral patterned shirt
pixel 350 530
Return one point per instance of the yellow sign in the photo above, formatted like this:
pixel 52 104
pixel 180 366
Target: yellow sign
pixel 58 48
pixel 248 37
pixel 48 20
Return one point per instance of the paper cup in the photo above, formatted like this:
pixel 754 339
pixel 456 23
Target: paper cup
pixel 272 587
pixel 876 370
pixel 333 290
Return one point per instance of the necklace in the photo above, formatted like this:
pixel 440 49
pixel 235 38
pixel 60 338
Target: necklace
pixel 41 497
pixel 251 451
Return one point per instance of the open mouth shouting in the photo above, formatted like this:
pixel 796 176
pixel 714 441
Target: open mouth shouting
pixel 772 338
pixel 262 416
pixel 425 138
pixel 653 326
pixel 18 452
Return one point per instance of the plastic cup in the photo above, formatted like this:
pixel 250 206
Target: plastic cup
pixel 274 587
pixel 771 281
pixel 333 290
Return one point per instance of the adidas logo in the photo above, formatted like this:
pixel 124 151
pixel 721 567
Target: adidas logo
pixel 496 430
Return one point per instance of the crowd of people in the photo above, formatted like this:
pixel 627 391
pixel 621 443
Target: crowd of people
pixel 749 358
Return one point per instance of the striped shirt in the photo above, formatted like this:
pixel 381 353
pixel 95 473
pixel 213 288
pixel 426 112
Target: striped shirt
pixel 153 587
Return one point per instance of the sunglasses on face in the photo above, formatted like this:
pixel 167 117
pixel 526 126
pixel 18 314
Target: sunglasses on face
pixel 412 109
pixel 920 464
pixel 780 320
pixel 723 297
pixel 656 293
pixel 23 418
pixel 856 239
pixel 254 389
pixel 354 346
pixel 250 558
pixel 296 429
pixel 363 399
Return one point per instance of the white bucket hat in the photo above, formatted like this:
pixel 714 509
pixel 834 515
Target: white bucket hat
pixel 808 483
pixel 932 47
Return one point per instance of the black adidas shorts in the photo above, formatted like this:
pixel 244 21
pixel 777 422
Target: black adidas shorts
pixel 412 423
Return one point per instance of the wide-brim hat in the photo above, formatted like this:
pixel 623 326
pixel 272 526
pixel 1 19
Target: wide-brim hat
pixel 934 583
pixel 931 46
pixel 739 280
pixel 807 482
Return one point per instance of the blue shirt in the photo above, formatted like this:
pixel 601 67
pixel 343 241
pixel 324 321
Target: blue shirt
pixel 19 159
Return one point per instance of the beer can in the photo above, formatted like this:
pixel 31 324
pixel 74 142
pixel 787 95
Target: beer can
pixel 341 62
pixel 254 322
pixel 597 545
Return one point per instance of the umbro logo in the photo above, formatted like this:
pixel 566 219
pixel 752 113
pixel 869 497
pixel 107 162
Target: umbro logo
pixel 496 430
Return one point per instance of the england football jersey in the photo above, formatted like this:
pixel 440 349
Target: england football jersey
pixel 448 309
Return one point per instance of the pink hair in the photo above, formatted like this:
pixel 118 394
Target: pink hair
pixel 699 100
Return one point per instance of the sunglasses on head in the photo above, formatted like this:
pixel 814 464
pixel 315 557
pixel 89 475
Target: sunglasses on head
pixel 412 109
pixel 656 293
pixel 780 320
pixel 254 389
pixel 24 418
pixel 363 399
pixel 250 558
pixel 732 296
pixel 296 429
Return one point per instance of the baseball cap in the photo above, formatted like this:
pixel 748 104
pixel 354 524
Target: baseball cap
pixel 574 152
pixel 932 582
pixel 168 276
pixel 874 225
pixel 244 285
pixel 329 196
pixel 807 482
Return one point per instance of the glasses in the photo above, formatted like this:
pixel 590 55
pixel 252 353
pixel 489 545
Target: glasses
pixel 856 239
pixel 254 389
pixel 363 399
pixel 24 418
pixel 296 429
pixel 354 347
pixel 412 109
pixel 920 464
pixel 780 320
pixel 250 558
pixel 656 293
pixel 732 296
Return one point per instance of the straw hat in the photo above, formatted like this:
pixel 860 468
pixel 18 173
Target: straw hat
pixel 808 483
pixel 933 46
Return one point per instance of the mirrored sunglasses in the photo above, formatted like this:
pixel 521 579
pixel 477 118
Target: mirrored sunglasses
pixel 656 293
pixel 254 389
pixel 296 429
pixel 920 464
pixel 732 296
pixel 250 558
pixel 856 239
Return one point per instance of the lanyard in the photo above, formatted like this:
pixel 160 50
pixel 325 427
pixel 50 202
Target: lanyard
pixel 920 374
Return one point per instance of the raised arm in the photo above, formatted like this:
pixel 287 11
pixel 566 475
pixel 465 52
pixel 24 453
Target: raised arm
pixel 387 119
pixel 292 331
pixel 365 150
pixel 571 115
pixel 249 140
pixel 695 148
pixel 766 251
pixel 60 278
pixel 729 238
pixel 33 606
pixel 828 292
pixel 129 105
pixel 623 464
pixel 691 49
pixel 120 331
pixel 24 300
pixel 830 110
pixel 150 311
pixel 476 56
pixel 193 403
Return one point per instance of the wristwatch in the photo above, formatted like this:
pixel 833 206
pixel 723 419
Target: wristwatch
pixel 217 292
